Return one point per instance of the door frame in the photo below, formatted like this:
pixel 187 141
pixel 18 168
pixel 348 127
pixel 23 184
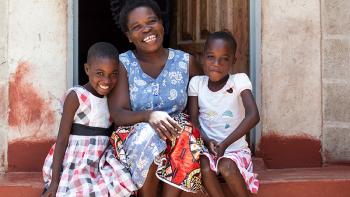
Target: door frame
pixel 255 64
pixel 254 55
pixel 72 43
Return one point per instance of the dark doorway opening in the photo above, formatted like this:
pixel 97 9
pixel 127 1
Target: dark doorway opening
pixel 96 24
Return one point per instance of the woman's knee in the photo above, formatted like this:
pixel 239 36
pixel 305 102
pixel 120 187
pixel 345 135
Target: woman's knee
pixel 227 167
pixel 144 132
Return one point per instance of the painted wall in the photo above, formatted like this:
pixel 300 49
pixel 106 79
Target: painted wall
pixel 33 79
pixel 305 87
pixel 3 84
pixel 291 83
pixel 336 79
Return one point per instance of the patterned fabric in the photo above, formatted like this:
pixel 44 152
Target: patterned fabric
pixel 139 145
pixel 89 167
pixel 81 115
pixel 178 165
pixel 93 111
pixel 167 92
pixel 243 160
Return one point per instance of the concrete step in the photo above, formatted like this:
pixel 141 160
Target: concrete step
pixel 330 181
pixel 21 184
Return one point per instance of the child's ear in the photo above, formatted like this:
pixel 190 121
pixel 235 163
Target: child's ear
pixel 234 59
pixel 86 68
pixel 128 36
pixel 201 59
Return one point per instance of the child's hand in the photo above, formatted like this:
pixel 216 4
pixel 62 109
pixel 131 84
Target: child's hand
pixel 220 150
pixel 51 191
pixel 211 144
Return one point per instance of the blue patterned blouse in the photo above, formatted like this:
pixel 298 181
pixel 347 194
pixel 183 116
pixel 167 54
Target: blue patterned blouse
pixel 167 92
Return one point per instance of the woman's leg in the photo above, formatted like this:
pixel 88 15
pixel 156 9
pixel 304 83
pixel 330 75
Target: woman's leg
pixel 170 191
pixel 209 178
pixel 233 177
pixel 150 187
pixel 141 147
pixel 182 167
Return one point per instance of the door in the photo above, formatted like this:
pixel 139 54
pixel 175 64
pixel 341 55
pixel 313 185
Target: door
pixel 195 19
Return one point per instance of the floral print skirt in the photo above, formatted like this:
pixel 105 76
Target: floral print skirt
pixel 138 146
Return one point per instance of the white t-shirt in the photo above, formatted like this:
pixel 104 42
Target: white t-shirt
pixel 221 112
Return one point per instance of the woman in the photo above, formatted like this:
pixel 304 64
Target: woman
pixel 150 95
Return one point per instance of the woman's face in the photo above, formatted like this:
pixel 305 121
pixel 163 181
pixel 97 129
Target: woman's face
pixel 145 29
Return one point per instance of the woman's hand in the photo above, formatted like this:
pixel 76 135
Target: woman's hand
pixel 51 191
pixel 166 126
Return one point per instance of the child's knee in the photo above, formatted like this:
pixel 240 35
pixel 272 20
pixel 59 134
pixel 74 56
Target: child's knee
pixel 227 167
pixel 205 165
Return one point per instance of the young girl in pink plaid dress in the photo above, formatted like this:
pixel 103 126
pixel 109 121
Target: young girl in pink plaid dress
pixel 82 163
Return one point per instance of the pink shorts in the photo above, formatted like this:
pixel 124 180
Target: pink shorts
pixel 243 160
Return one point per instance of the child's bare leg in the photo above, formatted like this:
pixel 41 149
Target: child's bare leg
pixel 233 177
pixel 210 180
pixel 150 187
pixel 170 191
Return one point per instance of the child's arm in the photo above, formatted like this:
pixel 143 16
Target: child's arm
pixel 70 106
pixel 250 120
pixel 193 111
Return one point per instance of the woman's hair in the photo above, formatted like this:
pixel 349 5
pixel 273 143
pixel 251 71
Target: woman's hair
pixel 102 50
pixel 131 5
pixel 223 35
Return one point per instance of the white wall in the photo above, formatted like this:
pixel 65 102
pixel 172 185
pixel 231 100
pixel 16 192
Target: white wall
pixel 291 73
pixel 37 58
pixel 3 84
pixel 33 72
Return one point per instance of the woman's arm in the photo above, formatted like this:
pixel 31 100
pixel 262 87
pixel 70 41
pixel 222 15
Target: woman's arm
pixel 250 120
pixel 119 107
pixel 70 106
pixel 119 103
pixel 194 67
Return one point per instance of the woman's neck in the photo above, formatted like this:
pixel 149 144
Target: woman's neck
pixel 150 57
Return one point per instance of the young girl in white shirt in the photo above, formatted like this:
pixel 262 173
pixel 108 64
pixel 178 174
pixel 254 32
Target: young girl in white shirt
pixel 223 107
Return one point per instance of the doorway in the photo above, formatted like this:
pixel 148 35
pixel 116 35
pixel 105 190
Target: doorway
pixel 187 23
pixel 98 22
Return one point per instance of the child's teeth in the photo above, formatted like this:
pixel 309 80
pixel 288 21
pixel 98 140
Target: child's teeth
pixel 104 87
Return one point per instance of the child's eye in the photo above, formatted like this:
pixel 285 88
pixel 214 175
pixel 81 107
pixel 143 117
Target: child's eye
pixel 99 73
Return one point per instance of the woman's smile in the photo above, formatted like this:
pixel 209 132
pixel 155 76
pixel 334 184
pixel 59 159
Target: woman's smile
pixel 149 38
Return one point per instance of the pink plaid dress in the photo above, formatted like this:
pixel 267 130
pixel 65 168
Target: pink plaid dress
pixel 89 166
